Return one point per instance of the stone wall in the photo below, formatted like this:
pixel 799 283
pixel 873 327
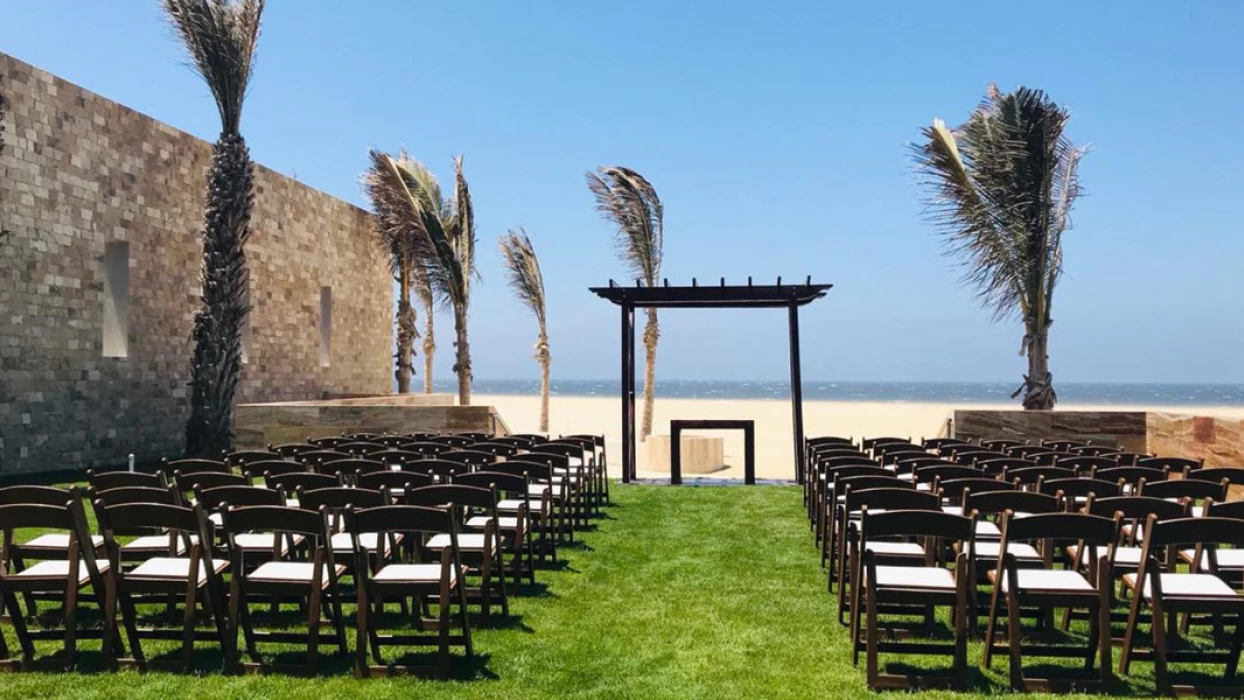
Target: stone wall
pixel 1125 429
pixel 265 424
pixel 1216 440
pixel 79 172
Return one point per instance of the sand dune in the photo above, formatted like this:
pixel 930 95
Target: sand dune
pixel 774 448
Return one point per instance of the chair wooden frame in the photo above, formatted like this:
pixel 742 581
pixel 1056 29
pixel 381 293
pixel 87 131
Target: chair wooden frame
pixel 516 528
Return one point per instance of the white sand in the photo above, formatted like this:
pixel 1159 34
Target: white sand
pixel 774 446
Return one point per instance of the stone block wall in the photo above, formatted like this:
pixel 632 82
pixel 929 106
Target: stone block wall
pixel 79 172
pixel 1216 440
pixel 1126 429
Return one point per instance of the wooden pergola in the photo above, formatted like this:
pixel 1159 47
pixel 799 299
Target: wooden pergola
pixel 723 296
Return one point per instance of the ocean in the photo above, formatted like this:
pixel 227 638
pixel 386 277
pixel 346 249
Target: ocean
pixel 939 392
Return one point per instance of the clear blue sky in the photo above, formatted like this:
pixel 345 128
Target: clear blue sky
pixel 775 134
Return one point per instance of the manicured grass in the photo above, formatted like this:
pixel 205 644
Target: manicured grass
pixel 679 592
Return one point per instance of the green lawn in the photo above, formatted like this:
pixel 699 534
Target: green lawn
pixel 680 592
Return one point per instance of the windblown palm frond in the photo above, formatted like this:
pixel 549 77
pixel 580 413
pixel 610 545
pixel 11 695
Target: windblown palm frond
pixel 631 203
pixel 220 36
pixel 523 271
pixel 1002 188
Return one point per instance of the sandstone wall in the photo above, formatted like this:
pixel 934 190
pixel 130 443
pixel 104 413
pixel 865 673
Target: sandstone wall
pixel 1125 429
pixel 1218 441
pixel 79 172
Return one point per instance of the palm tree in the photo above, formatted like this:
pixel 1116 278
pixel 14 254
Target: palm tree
pixel 523 269
pixel 1002 188
pixel 631 203
pixel 424 290
pixel 220 36
pixel 394 214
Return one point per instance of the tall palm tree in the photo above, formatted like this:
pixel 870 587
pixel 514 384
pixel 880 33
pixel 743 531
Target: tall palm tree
pixel 442 240
pixel 631 203
pixel 523 269
pixel 220 37
pixel 424 290
pixel 395 213
pixel 1002 188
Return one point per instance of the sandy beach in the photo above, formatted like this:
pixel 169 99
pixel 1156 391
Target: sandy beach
pixel 774 450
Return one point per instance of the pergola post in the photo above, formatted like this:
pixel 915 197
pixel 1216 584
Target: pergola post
pixel 796 391
pixel 628 392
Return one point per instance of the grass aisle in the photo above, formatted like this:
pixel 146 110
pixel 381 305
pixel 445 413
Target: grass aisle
pixel 680 592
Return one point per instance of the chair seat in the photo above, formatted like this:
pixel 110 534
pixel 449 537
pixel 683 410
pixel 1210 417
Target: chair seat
pixel 1186 586
pixel 1047 581
pixel 291 572
pixel 173 569
pixel 953 510
pixel 467 542
pixel 412 573
pixel 895 549
pixel 369 540
pixel 479 522
pixel 264 542
pixel 1123 556
pixel 988 530
pixel 56 542
pixel 923 577
pixel 58 569
pixel 1022 551
pixel 1229 560
pixel 511 505
pixel 539 490
pixel 156 544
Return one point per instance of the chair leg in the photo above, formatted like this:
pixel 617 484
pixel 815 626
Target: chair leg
pixel 313 627
pixel 1014 637
pixel 187 635
pixel 871 662
pixel 18 618
pixel 1160 677
pixel 129 616
pixel 1233 661
pixel 361 632
pixel 71 625
pixel 991 626
pixel 443 630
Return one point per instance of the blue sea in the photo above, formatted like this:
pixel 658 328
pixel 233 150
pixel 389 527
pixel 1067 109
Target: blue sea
pixel 939 392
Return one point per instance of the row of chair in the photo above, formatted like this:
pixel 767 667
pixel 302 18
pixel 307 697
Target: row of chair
pixel 1032 547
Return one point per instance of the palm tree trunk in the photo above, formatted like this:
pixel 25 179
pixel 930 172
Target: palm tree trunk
pixel 544 381
pixel 462 367
pixel 217 361
pixel 652 334
pixel 405 335
pixel 429 349
pixel 1039 392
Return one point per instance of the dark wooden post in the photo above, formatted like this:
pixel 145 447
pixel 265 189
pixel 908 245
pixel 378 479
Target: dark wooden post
pixel 796 390
pixel 628 392
pixel 675 452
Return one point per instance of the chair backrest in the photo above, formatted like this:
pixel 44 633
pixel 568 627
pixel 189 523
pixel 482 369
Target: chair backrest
pixel 305 480
pixel 873 442
pixel 1137 507
pixel 1063 445
pixel 396 456
pixel 293 449
pixel 502 482
pixel 328 443
pixel 37 495
pixel 855 460
pixel 1132 475
pixel 416 520
pixel 338 497
pixel 360 437
pixel 1094 450
pixel 460 495
pixel 852 470
pixel 1079 486
pixel 814 442
pixel 207 480
pixel 891 454
pixel 870 481
pixel 562 449
pixel 242 458
pixel 906 465
pixel 534 438
pixel 999 465
pixel 1207 530
pixel 213 498
pixel 130 518
pixel 358 448
pixel 454 441
pixel 890 498
pixel 1001 501
pixel 256 470
pixel 1085 464
pixel 425 448
pixel 955 489
pixel 520 466
pixel 194 466
pixel 391 441
pixel 1091 529
pixel 394 480
pixel 321 456
pixel 102 481
pixel 471 457
pixel 67 518
pixel 278 520
pixel 351 467
pixel 500 449
pixel 1001 444
pixel 1233 475
pixel 1185 488
pixel 917 523
pixel 438 467
pixel 1175 464
pixel 475 436
pixel 1031 475
pixel 514 441
pixel 1128 458
pixel 970 455
pixel 938 443
pixel 943 472
pixel 1029 450
pixel 552 459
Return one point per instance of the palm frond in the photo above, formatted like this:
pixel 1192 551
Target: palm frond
pixel 630 202
pixel 220 36
pixel 523 272
pixel 396 211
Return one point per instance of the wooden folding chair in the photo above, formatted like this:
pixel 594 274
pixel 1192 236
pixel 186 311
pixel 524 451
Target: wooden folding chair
pixel 876 500
pixel 1190 490
pixel 600 455
pixel 1166 594
pixel 62 579
pixel 1076 491
pixel 275 579
pixel 256 546
pixel 102 481
pixel 516 528
pixel 143 541
pixel 837 518
pixel 428 577
pixel 924 585
pixel 195 577
pixel 1046 588
pixel 1177 465
pixel 335 500
pixel 480 552
pixel 538 503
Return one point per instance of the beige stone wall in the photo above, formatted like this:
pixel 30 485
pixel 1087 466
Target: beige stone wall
pixel 1216 440
pixel 1124 429
pixel 79 171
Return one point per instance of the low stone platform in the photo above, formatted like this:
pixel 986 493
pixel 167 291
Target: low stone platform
pixel 701 454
